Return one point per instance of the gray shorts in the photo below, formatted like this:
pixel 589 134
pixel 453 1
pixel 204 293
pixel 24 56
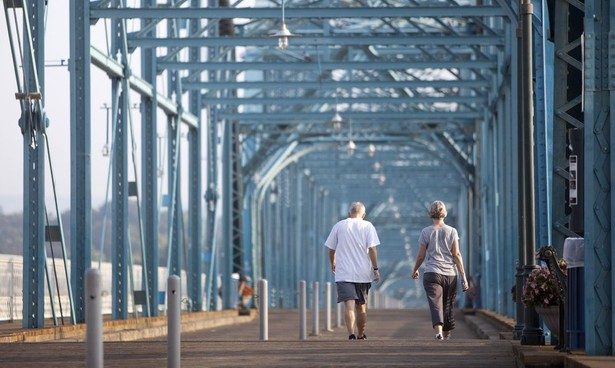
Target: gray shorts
pixel 356 291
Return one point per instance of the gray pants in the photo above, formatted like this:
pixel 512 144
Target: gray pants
pixel 441 293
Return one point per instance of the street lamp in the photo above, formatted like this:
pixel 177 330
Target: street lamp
pixel 283 33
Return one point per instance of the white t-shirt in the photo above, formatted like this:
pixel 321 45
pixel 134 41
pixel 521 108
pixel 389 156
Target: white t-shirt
pixel 351 238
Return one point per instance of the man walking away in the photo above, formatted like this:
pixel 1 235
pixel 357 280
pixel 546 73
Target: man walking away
pixel 352 253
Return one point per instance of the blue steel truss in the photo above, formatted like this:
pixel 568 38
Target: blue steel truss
pixel 428 99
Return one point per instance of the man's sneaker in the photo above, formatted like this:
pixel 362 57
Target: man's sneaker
pixel 439 337
pixel 362 337
pixel 352 337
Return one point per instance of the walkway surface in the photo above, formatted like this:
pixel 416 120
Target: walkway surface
pixel 396 338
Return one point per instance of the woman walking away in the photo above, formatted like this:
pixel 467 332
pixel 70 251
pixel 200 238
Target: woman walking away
pixel 441 243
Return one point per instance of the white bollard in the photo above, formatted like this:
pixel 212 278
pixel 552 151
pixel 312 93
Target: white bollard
pixel 328 307
pixel 173 322
pixel 93 318
pixel 315 316
pixel 264 310
pixel 338 317
pixel 302 310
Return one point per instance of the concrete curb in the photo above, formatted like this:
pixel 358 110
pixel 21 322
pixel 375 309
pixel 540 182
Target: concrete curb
pixel 131 329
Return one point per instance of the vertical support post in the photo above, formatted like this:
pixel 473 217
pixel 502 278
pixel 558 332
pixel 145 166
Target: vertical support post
pixel 149 170
pixel 227 217
pixel 599 175
pixel 174 220
pixel 80 164
pixel 263 292
pixel 302 310
pixel 532 333
pixel 195 208
pixel 315 310
pixel 32 124
pixel 173 322
pixel 520 310
pixel 93 319
pixel 195 181
pixel 328 307
pixel 119 227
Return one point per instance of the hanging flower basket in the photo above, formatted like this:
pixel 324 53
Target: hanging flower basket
pixel 541 289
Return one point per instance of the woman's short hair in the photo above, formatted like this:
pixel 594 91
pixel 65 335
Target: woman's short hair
pixel 437 210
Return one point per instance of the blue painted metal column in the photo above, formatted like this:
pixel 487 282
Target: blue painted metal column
pixel 149 171
pixel 174 250
pixel 542 121
pixel 32 124
pixel 80 166
pixel 194 216
pixel 195 199
pixel 227 209
pixel 298 225
pixel 508 207
pixel 119 228
pixel 599 176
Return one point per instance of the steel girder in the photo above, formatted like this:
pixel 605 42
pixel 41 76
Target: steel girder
pixel 32 122
pixel 599 206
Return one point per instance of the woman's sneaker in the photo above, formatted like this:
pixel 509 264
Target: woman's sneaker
pixel 352 337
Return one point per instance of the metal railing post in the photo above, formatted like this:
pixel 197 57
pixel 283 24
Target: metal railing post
pixel 315 311
pixel 173 322
pixel 93 318
pixel 302 310
pixel 264 310
pixel 328 307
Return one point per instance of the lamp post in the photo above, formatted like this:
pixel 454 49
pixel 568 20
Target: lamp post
pixel 532 333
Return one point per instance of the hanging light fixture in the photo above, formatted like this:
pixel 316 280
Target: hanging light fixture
pixel 283 33
pixel 351 147
pixel 337 120
pixel 371 150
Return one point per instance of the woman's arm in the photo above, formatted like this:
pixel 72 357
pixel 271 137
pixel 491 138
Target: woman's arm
pixel 459 263
pixel 419 260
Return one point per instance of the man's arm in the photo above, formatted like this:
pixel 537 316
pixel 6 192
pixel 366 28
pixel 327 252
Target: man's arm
pixel 332 259
pixel 373 256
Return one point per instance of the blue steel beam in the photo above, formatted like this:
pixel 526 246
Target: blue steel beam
pixel 302 13
pixel 341 85
pixel 195 199
pixel 149 174
pixel 343 65
pixel 32 123
pixel 119 229
pixel 466 117
pixel 599 160
pixel 397 100
pixel 315 39
pixel 142 87
pixel 80 165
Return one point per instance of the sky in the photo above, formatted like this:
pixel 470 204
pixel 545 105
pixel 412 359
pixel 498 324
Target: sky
pixel 56 97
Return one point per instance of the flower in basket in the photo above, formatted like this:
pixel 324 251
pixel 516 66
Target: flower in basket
pixel 541 289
